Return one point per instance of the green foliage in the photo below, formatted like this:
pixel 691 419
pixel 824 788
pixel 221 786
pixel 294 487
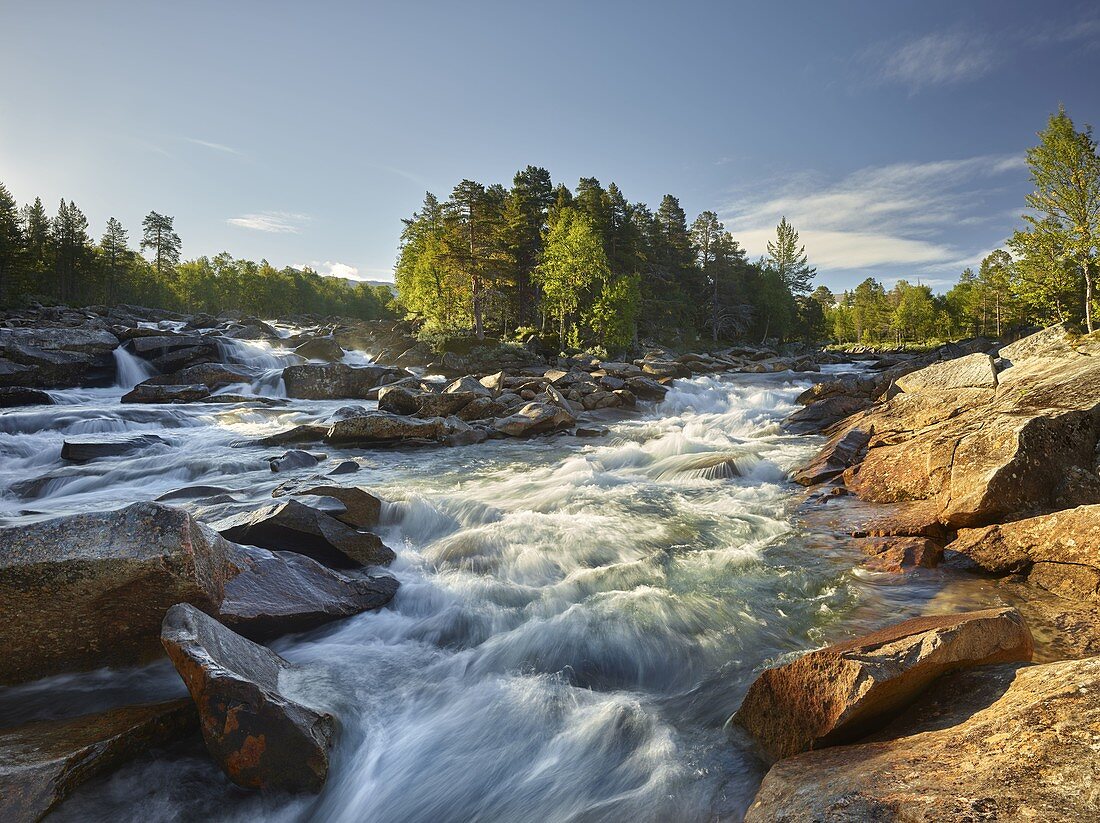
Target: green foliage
pixel 787 257
pixel 572 260
pixel 614 315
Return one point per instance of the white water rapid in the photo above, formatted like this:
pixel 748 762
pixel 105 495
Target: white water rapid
pixel 577 618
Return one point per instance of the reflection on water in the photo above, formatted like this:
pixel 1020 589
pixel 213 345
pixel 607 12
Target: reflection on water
pixel 577 618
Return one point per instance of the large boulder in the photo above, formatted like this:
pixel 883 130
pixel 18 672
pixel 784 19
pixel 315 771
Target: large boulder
pixel 534 418
pixel 383 428
pixel 56 357
pixel 320 348
pixel 293 526
pixel 1060 551
pixel 362 510
pixel 42 762
pixel 162 393
pixel 843 692
pixel 261 737
pixel 843 450
pixel 12 396
pixel 211 375
pixel 974 371
pixel 170 351
pixel 336 380
pixel 1006 742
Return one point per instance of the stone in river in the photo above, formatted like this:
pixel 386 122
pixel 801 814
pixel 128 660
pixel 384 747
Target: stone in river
pixel 92 447
pixel 42 762
pixel 11 396
pixel 534 418
pixel 295 459
pixel 261 737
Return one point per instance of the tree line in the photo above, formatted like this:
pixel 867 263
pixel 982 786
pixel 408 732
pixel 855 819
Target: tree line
pixel 54 259
pixel 1046 274
pixel 585 267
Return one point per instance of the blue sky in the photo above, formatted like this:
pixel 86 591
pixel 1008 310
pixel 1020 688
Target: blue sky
pixel 891 134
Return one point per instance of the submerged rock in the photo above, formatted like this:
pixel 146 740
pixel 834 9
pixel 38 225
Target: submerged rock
pixel 261 738
pixel 295 459
pixel 896 554
pixel 293 526
pixel 843 692
pixel 1004 742
pixel 41 763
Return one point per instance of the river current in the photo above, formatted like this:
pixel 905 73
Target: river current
pixel 577 617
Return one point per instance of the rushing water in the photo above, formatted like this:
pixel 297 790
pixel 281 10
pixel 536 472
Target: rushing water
pixel 577 618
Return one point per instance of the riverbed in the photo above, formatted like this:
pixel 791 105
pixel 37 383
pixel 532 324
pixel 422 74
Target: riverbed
pixel 577 618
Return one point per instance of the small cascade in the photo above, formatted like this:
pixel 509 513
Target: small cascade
pixel 130 369
pixel 255 354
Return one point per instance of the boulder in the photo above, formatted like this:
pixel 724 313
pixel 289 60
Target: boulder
pixel 211 375
pixel 281 592
pixel 293 526
pixel 336 380
pixel 320 348
pixel 157 393
pixel 480 408
pixel 295 459
pixel 169 352
pixel 975 371
pixel 844 449
pixel 400 399
pixel 1060 551
pixel 47 357
pixel 1004 742
pixel 843 692
pixel 12 396
pixel 362 510
pixel 896 554
pixel 261 737
pixel 534 418
pixel 820 414
pixel 90 590
pixel 41 763
pixel 93 447
pixel 468 385
pixel 645 388
pixel 382 428
pixel 493 382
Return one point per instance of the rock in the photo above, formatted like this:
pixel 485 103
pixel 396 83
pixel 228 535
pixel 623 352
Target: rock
pixel 585 431
pixel 90 590
pixel 843 692
pixel 494 382
pixel 1050 342
pixel 261 738
pixel 480 408
pixel 320 348
pixel 381 428
pixel 895 554
pixel 844 449
pixel 645 388
pixel 345 467
pixel 41 763
pixel 362 510
pixel 304 433
pixel 154 393
pixel 470 386
pixel 283 592
pixel 1003 743
pixel 823 413
pixel 295 459
pixel 399 399
pixel 293 526
pixel 170 352
pixel 534 418
pixel 1060 552
pixel 93 447
pixel 975 371
pixel 49 357
pixel 12 396
pixel 664 368
pixel 213 376
pixel 336 380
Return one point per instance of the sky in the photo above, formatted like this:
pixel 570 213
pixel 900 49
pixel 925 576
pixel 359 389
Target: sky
pixel 891 134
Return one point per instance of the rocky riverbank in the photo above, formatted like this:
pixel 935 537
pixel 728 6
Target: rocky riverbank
pixel 986 462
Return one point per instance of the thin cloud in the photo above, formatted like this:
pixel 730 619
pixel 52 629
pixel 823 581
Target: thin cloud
pixel 876 216
pixel 214 146
pixel 938 59
pixel 273 222
pixel 330 268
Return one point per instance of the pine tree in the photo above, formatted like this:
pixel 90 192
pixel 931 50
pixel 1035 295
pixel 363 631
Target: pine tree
pixel 525 214
pixel 1065 169
pixel 116 254
pixel 788 258
pixel 157 234
pixel 11 245
pixel 71 246
pixel 466 240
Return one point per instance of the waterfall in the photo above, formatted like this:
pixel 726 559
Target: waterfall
pixel 130 369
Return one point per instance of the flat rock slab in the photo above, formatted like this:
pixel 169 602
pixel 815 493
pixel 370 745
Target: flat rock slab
pixel 996 743
pixel 83 449
pixel 41 763
pixel 974 371
pixel 261 738
pixel 841 693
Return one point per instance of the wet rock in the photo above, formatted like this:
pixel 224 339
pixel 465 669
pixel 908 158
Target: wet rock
pixel 345 467
pixel 213 376
pixel 153 393
pixel 844 449
pixel 90 590
pixel 591 431
pixel 645 388
pixel 41 763
pixel 320 348
pixel 193 493
pixel 283 592
pixel 383 428
pixel 846 691
pixel 56 357
pixel 823 413
pixel 305 433
pixel 83 449
pixel 295 459
pixel 293 526
pixel 261 737
pixel 169 352
pixel 336 380
pixel 12 396
pixel 896 554
pixel 534 418
pixel 975 371
pixel 1004 742
pixel 1059 551
pixel 362 510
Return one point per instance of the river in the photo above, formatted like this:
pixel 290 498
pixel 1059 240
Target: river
pixel 577 617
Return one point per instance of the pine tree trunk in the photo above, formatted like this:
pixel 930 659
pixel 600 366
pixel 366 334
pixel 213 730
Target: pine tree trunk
pixel 1088 297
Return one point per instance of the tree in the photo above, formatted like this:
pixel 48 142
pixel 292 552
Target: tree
pixel 573 258
pixel 11 243
pixel 788 258
pixel 158 235
pixel 1065 170
pixel 525 213
pixel 914 316
pixel 996 276
pixel 36 237
pixel 614 314
pixel 71 248
pixel 1046 281
pixel 116 255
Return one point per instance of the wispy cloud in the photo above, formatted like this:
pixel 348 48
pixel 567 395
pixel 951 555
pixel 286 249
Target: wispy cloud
pixel 214 146
pixel 274 222
pixel 331 269
pixel 898 214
